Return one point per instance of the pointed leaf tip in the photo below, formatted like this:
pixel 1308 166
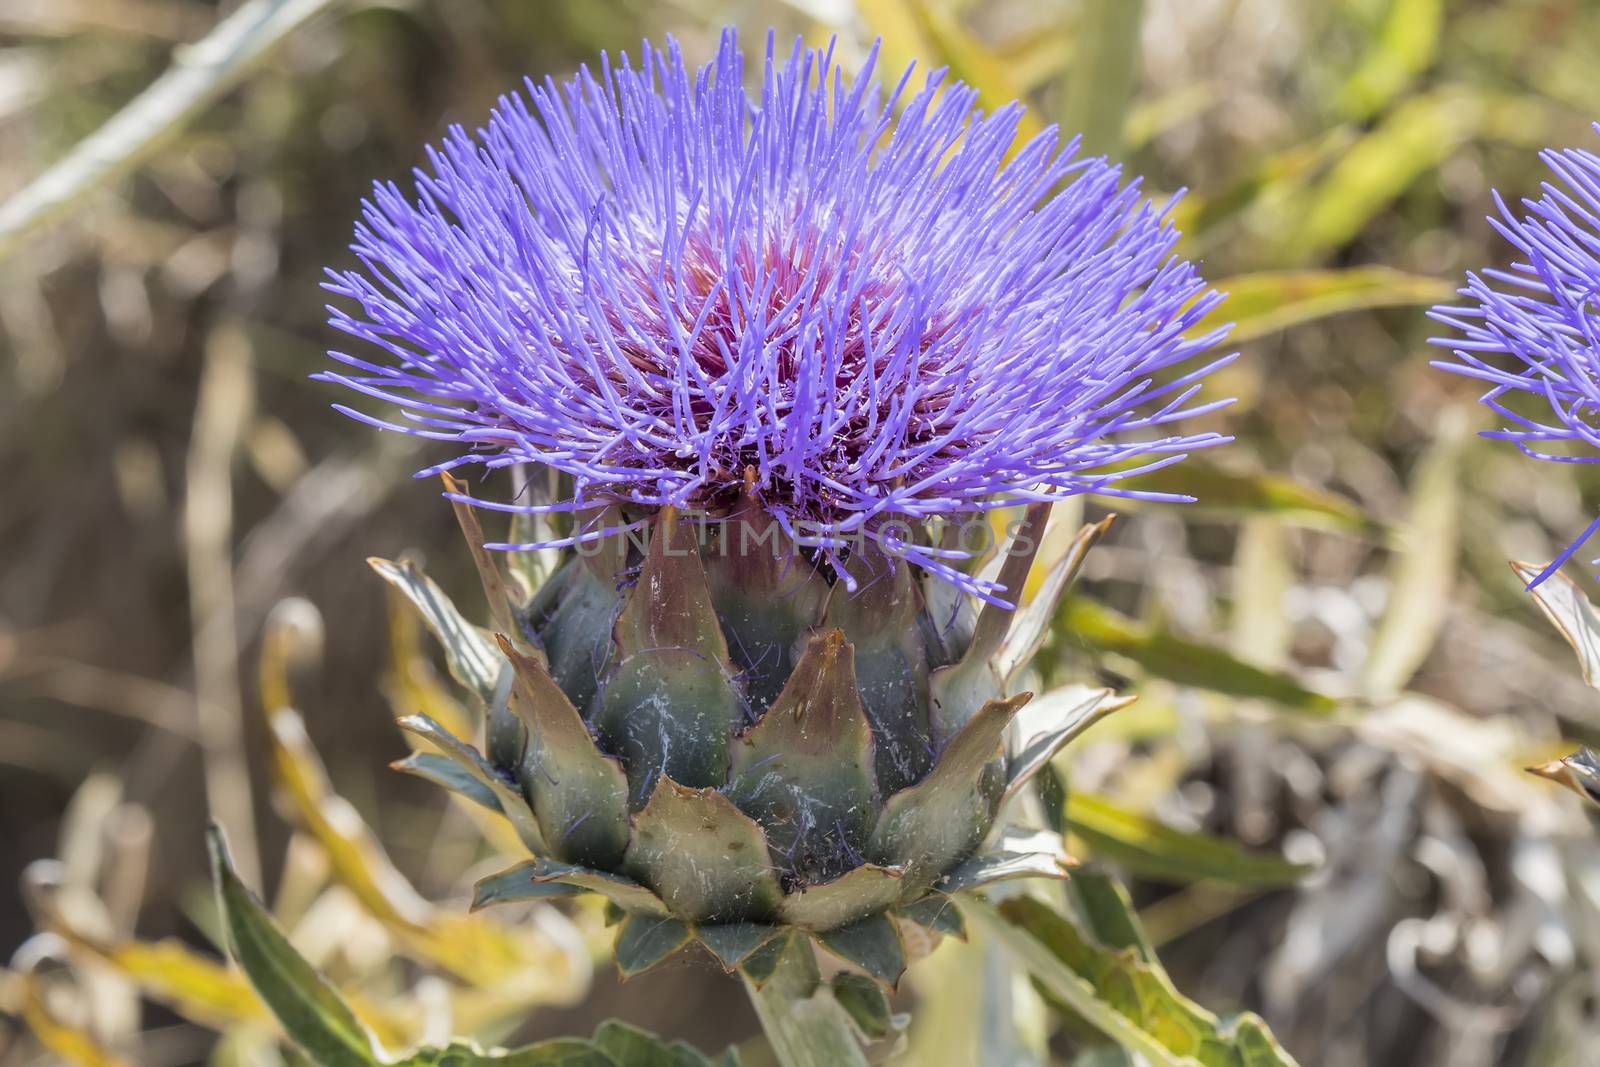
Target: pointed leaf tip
pixel 733 943
pixel 488 566
pixel 512 804
pixel 805 771
pixel 670 705
pixel 872 944
pixel 1572 613
pixel 312 1013
pixel 703 856
pixel 643 942
pixel 1031 623
pixel 980 673
pixel 938 821
pixel 469 654
pixel 578 794
pixel 670 606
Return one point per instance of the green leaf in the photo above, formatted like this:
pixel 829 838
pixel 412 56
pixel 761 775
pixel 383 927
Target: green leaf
pixel 768 596
pixel 866 1003
pixel 1267 302
pixel 516 886
pixel 1107 913
pixel 644 941
pixel 703 856
pixel 471 761
pixel 805 771
pixel 446 773
pixel 763 963
pixel 625 893
pixel 1031 623
pixel 668 711
pixel 853 895
pixel 670 606
pixel 630 1046
pixel 1159 851
pixel 960 689
pixel 1103 74
pixel 926 828
pixel 873 944
pixel 1565 605
pixel 1185 662
pixel 1409 142
pixel 1273 179
pixel 557 1052
pixel 573 616
pixel 1047 724
pixel 1220 491
pixel 468 651
pixel 1127 998
pixel 311 1012
pixel 987 868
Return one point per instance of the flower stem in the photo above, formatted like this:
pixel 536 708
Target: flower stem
pixel 806 1026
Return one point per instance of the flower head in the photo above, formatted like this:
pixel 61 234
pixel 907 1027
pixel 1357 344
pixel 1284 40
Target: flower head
pixel 864 306
pixel 1532 331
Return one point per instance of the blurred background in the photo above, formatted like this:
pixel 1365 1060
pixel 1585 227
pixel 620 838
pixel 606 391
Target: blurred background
pixel 1318 799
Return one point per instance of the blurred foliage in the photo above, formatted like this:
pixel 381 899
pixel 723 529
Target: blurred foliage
pixel 174 477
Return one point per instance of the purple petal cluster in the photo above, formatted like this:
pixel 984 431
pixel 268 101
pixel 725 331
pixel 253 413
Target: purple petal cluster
pixel 1532 331
pixel 869 302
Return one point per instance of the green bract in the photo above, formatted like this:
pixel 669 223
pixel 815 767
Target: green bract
pixel 728 744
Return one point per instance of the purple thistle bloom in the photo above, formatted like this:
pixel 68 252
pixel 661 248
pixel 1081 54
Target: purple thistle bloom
pixel 655 284
pixel 1544 313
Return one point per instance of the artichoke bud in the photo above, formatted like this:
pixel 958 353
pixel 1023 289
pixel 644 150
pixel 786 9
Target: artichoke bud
pixel 730 739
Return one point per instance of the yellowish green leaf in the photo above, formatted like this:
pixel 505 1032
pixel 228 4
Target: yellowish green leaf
pixel 195 986
pixel 1184 662
pixel 1220 490
pixel 474 947
pixel 1126 998
pixel 72 1044
pixel 1404 46
pixel 1101 80
pixel 1277 178
pixel 971 61
pixel 899 30
pixel 1270 301
pixel 1156 850
pixel 1410 142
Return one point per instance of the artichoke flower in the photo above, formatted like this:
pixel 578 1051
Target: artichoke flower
pixel 726 746
pixel 1530 332
pixel 760 367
